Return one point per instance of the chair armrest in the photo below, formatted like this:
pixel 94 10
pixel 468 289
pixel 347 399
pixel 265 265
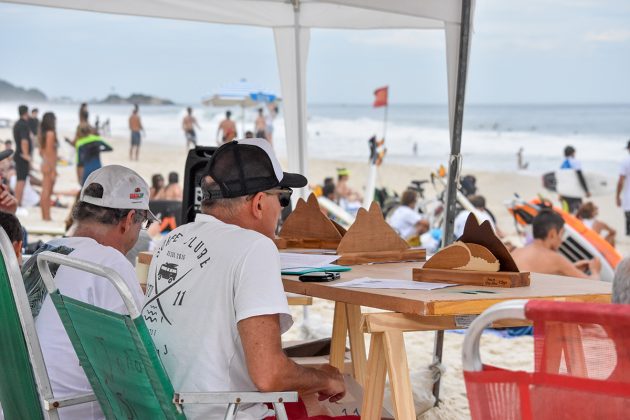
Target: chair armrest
pixel 234 397
pixel 68 401
pixel 511 309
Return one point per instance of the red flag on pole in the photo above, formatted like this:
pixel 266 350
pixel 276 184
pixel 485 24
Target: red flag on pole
pixel 380 96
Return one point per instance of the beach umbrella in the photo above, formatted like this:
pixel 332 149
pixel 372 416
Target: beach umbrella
pixel 243 94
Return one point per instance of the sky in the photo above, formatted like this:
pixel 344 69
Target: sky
pixel 528 51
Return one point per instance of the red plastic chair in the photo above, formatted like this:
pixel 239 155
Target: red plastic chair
pixel 582 364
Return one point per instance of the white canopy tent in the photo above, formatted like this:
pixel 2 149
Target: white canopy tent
pixel 292 20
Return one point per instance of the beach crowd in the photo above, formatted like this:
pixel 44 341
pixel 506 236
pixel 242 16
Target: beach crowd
pixel 214 303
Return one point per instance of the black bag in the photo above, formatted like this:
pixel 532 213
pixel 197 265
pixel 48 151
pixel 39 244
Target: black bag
pixel 197 166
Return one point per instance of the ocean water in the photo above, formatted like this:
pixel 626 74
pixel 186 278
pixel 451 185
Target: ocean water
pixel 491 137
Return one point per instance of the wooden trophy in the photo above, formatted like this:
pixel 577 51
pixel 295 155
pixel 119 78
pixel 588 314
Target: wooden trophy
pixel 308 227
pixel 478 258
pixel 371 239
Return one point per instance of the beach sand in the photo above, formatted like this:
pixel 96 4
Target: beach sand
pixel 497 187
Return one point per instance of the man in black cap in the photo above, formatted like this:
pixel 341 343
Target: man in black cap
pixel 215 305
pixel 623 185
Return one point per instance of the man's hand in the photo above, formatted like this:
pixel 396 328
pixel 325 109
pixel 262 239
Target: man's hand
pixel 336 388
pixel 618 199
pixel 8 203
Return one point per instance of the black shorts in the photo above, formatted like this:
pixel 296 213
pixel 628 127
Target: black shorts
pixel 22 168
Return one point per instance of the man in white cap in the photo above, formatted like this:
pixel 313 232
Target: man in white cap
pixel 215 304
pixel 112 208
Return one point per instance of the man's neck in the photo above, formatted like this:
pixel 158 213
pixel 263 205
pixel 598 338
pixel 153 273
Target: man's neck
pixel 105 236
pixel 543 243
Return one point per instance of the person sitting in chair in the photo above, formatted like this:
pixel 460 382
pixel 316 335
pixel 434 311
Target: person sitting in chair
pixel 112 208
pixel 215 304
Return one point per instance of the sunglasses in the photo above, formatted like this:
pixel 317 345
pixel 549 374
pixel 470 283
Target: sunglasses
pixel 284 195
pixel 145 222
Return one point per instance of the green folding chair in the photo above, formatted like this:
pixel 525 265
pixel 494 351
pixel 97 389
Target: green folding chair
pixel 25 391
pixel 120 360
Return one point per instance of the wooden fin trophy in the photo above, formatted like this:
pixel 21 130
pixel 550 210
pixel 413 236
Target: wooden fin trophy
pixel 371 239
pixel 308 227
pixel 478 257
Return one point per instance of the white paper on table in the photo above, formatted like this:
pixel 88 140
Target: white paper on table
pixel 370 283
pixel 292 260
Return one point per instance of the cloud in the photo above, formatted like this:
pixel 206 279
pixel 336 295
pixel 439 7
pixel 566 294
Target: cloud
pixel 615 35
pixel 403 38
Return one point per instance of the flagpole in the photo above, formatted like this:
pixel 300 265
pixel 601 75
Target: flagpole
pixel 385 121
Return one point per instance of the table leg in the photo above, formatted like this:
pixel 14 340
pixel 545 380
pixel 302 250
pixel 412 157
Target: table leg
pixel 398 369
pixel 357 342
pixel 339 333
pixel 371 407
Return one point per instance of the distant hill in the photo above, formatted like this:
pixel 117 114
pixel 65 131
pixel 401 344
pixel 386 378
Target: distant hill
pixel 135 98
pixel 8 92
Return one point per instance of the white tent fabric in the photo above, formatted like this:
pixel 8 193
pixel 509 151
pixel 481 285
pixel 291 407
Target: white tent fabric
pixel 291 22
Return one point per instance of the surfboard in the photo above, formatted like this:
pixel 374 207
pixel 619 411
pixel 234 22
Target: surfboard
pixel 568 183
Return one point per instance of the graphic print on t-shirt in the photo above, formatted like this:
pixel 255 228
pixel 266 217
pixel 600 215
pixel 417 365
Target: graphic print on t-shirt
pixel 166 294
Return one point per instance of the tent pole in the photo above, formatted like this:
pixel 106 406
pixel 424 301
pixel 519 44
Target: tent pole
pixel 300 94
pixel 455 160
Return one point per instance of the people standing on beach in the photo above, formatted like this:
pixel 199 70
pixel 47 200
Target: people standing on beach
pixel 188 125
pixel 33 124
pixel 271 115
pixel 227 129
pixel 23 148
pixel 48 151
pixel 107 222
pixel 520 162
pixel 135 125
pixel 89 147
pixel 623 185
pixel 82 128
pixel 571 204
pixel 260 125
pixel 542 256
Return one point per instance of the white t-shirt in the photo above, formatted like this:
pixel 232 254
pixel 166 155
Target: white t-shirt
pixel 460 221
pixel 204 278
pixel 625 171
pixel 66 375
pixel 404 220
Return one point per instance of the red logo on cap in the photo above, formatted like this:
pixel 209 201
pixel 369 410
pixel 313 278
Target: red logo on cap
pixel 136 194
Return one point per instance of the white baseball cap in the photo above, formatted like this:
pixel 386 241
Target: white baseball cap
pixel 123 188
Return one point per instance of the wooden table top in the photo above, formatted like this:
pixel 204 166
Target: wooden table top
pixel 449 300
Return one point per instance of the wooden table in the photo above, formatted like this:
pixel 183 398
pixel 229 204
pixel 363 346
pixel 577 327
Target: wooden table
pixel 414 310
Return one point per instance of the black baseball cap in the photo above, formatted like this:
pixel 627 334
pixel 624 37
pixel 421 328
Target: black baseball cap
pixel 248 166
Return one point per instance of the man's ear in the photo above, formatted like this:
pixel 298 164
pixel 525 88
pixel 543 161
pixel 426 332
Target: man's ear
pixel 126 223
pixel 257 205
pixel 17 247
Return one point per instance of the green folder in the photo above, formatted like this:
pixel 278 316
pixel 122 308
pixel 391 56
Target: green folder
pixel 298 271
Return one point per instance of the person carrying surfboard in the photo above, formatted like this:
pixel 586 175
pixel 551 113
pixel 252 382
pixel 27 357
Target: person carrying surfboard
pixel 572 204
